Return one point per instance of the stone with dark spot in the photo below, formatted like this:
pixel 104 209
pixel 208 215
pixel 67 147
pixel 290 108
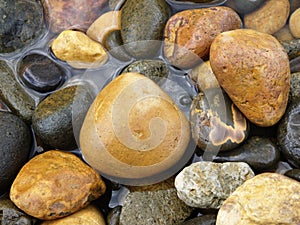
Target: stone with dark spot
pixel 142 26
pixel 54 118
pixel 288 136
pixel 13 95
pixel 258 152
pixel 21 24
pixel 16 143
pixel 215 122
pixel 40 73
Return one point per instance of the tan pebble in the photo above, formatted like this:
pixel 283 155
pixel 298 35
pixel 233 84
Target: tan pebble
pixel 78 50
pixel 270 17
pixel 295 23
pixel 55 184
pixel 105 24
pixel 284 34
pixel 268 198
pixel 87 216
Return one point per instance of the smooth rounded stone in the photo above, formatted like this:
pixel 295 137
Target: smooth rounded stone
pixel 90 215
pixel 207 184
pixel 284 34
pixel 78 50
pixel 255 74
pixel 270 17
pixel 76 14
pixel 10 214
pixel 294 23
pixel 55 117
pixel 189 34
pixel 55 184
pixel 13 94
pixel 134 133
pixel 142 26
pixel 294 174
pixel 268 198
pixel 288 134
pixel 295 66
pixel 40 73
pixel 258 152
pixel 16 142
pixel 104 25
pixel 156 70
pixel 244 6
pixel 114 44
pixel 295 87
pixel 161 207
pixel 292 48
pixel 113 217
pixel 216 123
pixel 204 77
pixel 201 220
pixel 21 24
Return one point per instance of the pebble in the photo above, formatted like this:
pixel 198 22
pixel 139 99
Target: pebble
pixel 270 17
pixel 201 220
pixel 254 74
pixel 244 6
pixel 207 184
pixel 10 214
pixel 90 215
pixel 21 24
pixel 284 34
pixel 16 142
pixel 76 14
pixel 161 207
pixel 56 117
pixel 104 25
pixel 295 65
pixel 132 126
pixel 292 48
pixel 40 73
pixel 113 217
pixel 14 95
pixel 295 4
pixel 288 134
pixel 295 87
pixel 55 184
pixel 78 50
pixel 259 153
pixel 142 25
pixel 156 70
pixel 189 34
pixel 268 198
pixel 216 124
pixel 294 174
pixel 294 23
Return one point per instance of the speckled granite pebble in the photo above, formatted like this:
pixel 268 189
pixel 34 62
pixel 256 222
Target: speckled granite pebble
pixel 207 184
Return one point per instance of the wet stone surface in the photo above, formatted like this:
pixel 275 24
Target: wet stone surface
pixel 21 24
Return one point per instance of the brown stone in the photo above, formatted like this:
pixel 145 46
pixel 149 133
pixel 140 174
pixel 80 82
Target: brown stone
pixel 284 34
pixel 268 198
pixel 78 50
pixel 255 74
pixel 75 14
pixel 87 216
pixel 295 24
pixel 55 184
pixel 189 34
pixel 270 17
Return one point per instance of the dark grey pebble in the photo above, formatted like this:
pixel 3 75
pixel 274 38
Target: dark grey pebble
pixel 16 144
pixel 201 220
pixel 113 217
pixel 293 173
pixel 244 6
pixel 292 48
pixel 294 94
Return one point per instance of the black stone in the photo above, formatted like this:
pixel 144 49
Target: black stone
pixel 201 220
pixel 258 152
pixel 113 217
pixel 16 143
pixel 21 24
pixel 10 214
pixel 40 73
pixel 59 117
pixel 156 70
pixel 13 94
pixel 294 174
pixel 289 134
pixel 142 26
